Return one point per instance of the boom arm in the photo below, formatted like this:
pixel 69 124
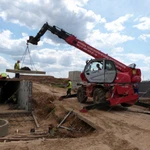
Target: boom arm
pixel 72 40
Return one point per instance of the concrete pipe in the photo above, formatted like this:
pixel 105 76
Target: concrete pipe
pixel 3 127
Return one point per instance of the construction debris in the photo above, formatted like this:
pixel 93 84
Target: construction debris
pixel 69 129
pixel 64 118
pixel 36 122
pixel 24 137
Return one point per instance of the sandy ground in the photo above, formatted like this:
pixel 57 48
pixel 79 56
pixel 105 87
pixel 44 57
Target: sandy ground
pixel 116 128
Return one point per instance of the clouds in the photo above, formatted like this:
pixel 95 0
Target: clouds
pixel 44 55
pixel 118 50
pixel 144 23
pixel 117 25
pixel 9 45
pixel 116 34
pixel 73 4
pixel 106 40
pixel 34 14
pixel 144 37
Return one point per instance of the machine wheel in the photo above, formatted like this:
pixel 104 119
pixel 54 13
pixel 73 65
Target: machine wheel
pixel 81 95
pixel 99 95
pixel 126 105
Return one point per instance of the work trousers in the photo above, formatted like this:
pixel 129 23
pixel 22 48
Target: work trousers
pixel 17 75
pixel 69 91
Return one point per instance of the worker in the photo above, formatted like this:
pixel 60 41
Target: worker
pixel 69 87
pixel 12 99
pixel 3 76
pixel 98 66
pixel 17 67
pixel 136 88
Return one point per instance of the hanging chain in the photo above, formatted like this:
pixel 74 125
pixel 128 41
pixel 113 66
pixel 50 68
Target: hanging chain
pixel 27 52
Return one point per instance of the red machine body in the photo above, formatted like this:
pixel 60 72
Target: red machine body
pixel 117 85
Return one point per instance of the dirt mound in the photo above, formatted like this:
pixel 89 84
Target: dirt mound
pixel 48 80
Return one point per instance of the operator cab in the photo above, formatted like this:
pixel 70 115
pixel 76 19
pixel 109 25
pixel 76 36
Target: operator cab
pixel 100 71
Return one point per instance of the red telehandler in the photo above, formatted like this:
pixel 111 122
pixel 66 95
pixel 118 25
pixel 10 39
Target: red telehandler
pixel 111 85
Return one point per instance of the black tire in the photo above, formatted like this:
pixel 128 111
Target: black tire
pixel 126 105
pixel 81 95
pixel 99 95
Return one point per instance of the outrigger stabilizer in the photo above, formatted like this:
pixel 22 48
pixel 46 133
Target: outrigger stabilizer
pixel 139 103
pixel 101 104
pixel 95 106
pixel 108 104
pixel 67 96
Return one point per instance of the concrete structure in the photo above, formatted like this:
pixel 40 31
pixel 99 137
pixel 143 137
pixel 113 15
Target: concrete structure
pixel 3 127
pixel 75 78
pixel 25 95
pixel 20 89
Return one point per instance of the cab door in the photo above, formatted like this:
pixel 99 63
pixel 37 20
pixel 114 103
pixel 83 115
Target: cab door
pixel 93 73
pixel 110 71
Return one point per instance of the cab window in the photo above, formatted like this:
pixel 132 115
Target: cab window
pixel 109 65
pixel 94 66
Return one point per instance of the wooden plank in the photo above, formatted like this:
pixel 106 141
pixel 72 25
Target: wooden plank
pixel 14 112
pixel 65 118
pixel 25 71
pixel 36 122
pixel 22 138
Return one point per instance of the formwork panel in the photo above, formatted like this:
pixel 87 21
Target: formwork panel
pixel 75 78
pixel 25 95
pixel 74 75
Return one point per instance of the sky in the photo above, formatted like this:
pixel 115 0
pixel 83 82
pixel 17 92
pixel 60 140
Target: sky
pixel 119 28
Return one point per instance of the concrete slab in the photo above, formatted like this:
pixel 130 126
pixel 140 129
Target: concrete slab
pixel 25 71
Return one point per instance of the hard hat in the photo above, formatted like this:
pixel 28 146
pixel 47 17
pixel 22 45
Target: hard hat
pixel 69 79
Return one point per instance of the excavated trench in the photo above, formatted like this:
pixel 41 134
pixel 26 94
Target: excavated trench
pixel 48 120
pixel 62 124
pixel 7 89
